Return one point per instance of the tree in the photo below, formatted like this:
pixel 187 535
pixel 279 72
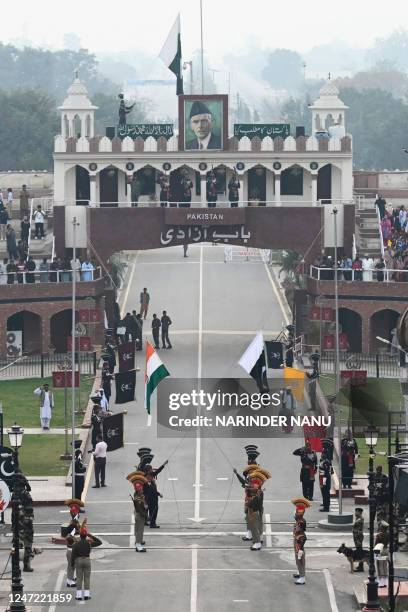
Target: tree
pixel 381 76
pixel 28 122
pixel 284 70
pixel 393 49
pixel 295 111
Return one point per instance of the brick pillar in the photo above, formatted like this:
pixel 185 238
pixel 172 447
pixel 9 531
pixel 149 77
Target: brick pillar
pixel 366 330
pixel 46 334
pixel 3 332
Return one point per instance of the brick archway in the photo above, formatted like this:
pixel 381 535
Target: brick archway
pixel 382 322
pixel 30 325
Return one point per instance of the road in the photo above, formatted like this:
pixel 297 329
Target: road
pixel 196 561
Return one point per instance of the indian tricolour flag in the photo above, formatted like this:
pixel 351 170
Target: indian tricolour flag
pixel 155 372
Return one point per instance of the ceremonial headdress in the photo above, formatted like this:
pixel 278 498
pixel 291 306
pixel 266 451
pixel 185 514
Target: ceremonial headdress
pixel 301 504
pixel 250 468
pixel 137 477
pixel 199 108
pixel 74 502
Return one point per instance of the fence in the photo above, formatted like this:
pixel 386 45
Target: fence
pixel 42 366
pixel 14 275
pixel 379 365
pixel 368 276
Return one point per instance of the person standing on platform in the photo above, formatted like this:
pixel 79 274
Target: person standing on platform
pixel 46 405
pixel 39 219
pixel 80 471
pixel 99 455
pixel 25 229
pixel 10 200
pixel 233 190
pixel 106 381
pixel 96 423
pixel 358 536
pixel 187 186
pixel 144 303
pixel 381 492
pixel 212 191
pixel 308 469
pixel 81 561
pixel 156 331
pixel 27 536
pixel 24 202
pixel 165 324
pixel 349 451
pixel 325 472
pixel 87 271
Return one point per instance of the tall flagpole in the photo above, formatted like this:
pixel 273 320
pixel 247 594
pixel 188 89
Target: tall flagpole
pixel 73 348
pixel 202 47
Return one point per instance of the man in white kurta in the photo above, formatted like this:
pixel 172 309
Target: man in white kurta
pixel 368 265
pixel 46 405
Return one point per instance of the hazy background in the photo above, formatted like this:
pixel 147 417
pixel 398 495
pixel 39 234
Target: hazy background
pixel 271 63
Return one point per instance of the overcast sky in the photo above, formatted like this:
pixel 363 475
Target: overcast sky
pixel 229 25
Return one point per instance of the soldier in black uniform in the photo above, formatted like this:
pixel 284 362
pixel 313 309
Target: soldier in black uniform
pixel 187 186
pixel 106 380
pixel 164 183
pixel 80 471
pixel 96 422
pixel 156 331
pixel 233 190
pixel 165 324
pixel 308 469
pixel 123 110
pixel 325 472
pixel 139 331
pixel 349 450
pixel 212 191
pixel 151 493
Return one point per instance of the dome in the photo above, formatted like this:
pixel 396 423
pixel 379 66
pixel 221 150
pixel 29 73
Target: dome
pixel 77 98
pixel 329 89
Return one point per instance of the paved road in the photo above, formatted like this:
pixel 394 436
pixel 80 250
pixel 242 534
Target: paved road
pixel 202 564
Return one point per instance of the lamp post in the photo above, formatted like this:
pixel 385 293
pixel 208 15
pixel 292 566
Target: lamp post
pixel 15 434
pixel 371 438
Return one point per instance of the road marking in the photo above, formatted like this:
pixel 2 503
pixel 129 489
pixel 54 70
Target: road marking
pixel 268 531
pixel 149 420
pixel 222 332
pixel 125 299
pixel 201 569
pixel 87 479
pixel 330 590
pixel 192 533
pixel 132 541
pixel 194 582
pixel 172 479
pixel 240 601
pixel 131 443
pixel 57 589
pixel 223 478
pixel 277 294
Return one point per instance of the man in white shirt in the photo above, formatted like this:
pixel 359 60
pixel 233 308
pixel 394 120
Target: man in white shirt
pixel 76 268
pixel 368 265
pixel 99 455
pixel 39 217
pixel 46 405
pixel 10 202
pixel 87 271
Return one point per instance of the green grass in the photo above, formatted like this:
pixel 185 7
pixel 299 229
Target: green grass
pixel 20 405
pixel 362 461
pixel 40 455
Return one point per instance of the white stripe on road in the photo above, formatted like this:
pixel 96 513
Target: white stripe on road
pixel 330 590
pixel 223 478
pixel 172 479
pixel 58 586
pixel 197 484
pixel 268 530
pixel 277 294
pixel 149 420
pixel 194 582
pixel 132 539
pixel 240 601
pixel 192 533
pixel 125 299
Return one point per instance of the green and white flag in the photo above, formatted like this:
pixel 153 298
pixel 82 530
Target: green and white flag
pixel 171 54
pixel 155 372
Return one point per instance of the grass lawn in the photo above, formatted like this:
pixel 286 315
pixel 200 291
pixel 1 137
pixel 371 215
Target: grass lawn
pixel 362 461
pixel 40 455
pixel 22 406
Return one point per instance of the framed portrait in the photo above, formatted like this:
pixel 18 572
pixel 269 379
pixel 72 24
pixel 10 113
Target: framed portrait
pixel 203 122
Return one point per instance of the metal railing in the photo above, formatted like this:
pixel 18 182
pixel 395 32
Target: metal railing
pixel 222 202
pixel 380 232
pixel 42 365
pixel 377 364
pixel 49 276
pixel 347 274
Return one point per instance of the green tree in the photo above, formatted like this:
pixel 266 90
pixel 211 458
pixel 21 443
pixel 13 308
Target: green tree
pixel 284 70
pixel 393 49
pixel 28 121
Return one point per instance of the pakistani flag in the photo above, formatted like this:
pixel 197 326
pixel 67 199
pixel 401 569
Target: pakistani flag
pixel 155 372
pixel 253 361
pixel 171 54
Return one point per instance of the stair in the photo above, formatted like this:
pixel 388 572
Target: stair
pixel 368 238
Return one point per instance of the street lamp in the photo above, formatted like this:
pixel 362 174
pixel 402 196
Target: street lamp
pixel 15 434
pixel 371 439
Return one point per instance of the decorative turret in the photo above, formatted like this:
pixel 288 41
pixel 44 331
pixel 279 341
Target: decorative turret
pixel 77 112
pixel 328 110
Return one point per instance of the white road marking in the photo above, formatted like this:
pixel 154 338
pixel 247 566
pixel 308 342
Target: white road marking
pixel 58 586
pixel 223 478
pixel 330 590
pixel 149 420
pixel 87 479
pixel 125 299
pixel 277 294
pixel 194 585
pixel 222 332
pixel 132 443
pixel 240 601
pixel 191 533
pixel 201 569
pixel 172 479
pixel 132 541
pixel 268 530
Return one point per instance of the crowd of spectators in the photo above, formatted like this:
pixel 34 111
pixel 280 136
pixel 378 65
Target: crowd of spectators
pixel 394 228
pixel 357 269
pixel 26 270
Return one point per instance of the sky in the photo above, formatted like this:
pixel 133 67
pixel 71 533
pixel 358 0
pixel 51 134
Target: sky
pixel 229 25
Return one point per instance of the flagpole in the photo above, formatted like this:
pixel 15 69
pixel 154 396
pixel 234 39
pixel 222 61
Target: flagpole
pixel 202 47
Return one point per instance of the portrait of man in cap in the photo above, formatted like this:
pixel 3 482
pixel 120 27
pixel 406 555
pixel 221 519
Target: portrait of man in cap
pixel 203 124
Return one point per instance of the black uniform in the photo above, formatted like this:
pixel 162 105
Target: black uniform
pixel 156 332
pixel 307 471
pixel 187 186
pixel 233 192
pixel 152 496
pixel 80 470
pixel 165 324
pixel 349 450
pixel 106 384
pixel 325 471
pixel 96 421
pixel 212 193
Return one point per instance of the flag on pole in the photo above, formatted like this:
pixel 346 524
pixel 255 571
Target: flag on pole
pixel 171 54
pixel 155 372
pixel 253 360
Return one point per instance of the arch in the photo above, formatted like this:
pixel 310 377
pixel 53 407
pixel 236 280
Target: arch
pixel 329 121
pixel 324 183
pixel 60 330
pixel 65 124
pixel 109 186
pixel 292 180
pixel 317 122
pixel 352 326
pixel 88 126
pixel 256 177
pixel 30 326
pixel 82 186
pixel 382 323
pixel 76 126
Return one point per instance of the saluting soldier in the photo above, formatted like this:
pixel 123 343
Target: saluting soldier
pixel 71 533
pixel 308 469
pixel 150 491
pixel 81 561
pixel 358 535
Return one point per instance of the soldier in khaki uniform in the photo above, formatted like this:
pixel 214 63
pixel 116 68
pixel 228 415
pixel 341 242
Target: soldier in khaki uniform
pixel 299 538
pixel 139 481
pixel 27 536
pixel 358 534
pixel 81 561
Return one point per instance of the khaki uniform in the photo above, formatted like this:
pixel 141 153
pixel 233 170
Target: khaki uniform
pixel 140 517
pixel 299 543
pixel 358 532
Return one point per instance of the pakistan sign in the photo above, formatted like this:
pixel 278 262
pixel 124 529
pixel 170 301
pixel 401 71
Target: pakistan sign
pixel 144 130
pixel 261 130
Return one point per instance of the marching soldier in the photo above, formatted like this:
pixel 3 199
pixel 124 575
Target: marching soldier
pixel 299 539
pixel 308 469
pixel 81 561
pixel 80 470
pixel 150 491
pixel 71 533
pixel 139 481
pixel 358 535
pixel 325 472
pixel 253 508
